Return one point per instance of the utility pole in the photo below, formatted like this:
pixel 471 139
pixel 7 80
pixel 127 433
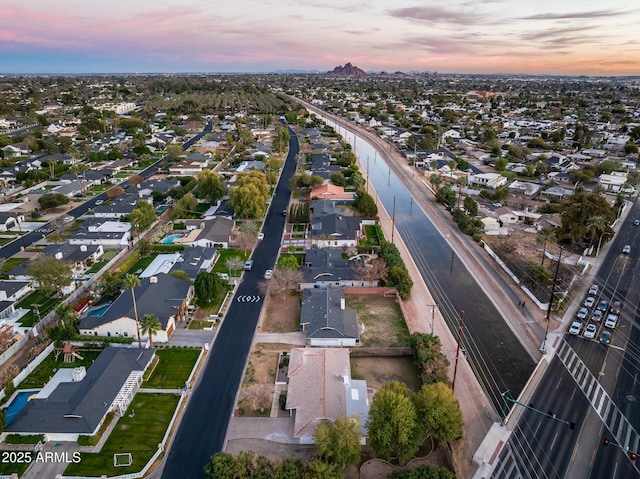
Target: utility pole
pixel 543 348
pixel 455 367
pixel 393 219
pixel 433 315
pixel 411 207
pixel 452 256
pixel 367 175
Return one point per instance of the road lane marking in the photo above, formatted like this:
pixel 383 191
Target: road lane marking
pixel 554 441
pixel 559 381
pixel 573 394
pixel 537 427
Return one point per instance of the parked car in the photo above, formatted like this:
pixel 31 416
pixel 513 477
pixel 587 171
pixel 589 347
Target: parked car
pixel 597 315
pixel 268 274
pixel 99 202
pixel 615 308
pixel 593 289
pixel 582 313
pixel 626 249
pixel 612 321
pixel 636 223
pixel 224 276
pixel 575 327
pixel 603 305
pixel 590 301
pixel 248 265
pixel 590 331
pixel 605 337
pixel 260 236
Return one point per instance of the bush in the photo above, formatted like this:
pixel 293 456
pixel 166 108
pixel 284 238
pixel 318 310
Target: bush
pixel 166 248
pixel 128 263
pixel 282 400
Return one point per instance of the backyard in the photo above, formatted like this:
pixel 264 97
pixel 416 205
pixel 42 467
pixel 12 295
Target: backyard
pixel 380 370
pixel 47 368
pixel 138 432
pixel 282 314
pixel 173 368
pixel 39 303
pixel 381 317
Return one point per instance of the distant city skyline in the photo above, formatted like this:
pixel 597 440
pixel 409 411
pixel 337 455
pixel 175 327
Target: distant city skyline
pixel 175 36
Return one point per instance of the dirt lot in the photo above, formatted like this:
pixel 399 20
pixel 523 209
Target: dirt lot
pixel 282 315
pixel 384 325
pixel 380 370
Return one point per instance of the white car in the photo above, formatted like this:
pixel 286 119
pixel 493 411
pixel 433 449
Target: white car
pixel 626 249
pixel 582 314
pixel 268 274
pixel 597 315
pixel 593 289
pixel 260 236
pixel 99 202
pixel 589 302
pixel 575 327
pixel 612 321
pixel 590 331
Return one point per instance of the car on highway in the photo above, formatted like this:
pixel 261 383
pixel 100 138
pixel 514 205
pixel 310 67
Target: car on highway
pixel 260 236
pixel 626 249
pixel 597 315
pixel 268 274
pixel 99 202
pixel 636 223
pixel 615 308
pixel 612 321
pixel 593 289
pixel 575 327
pixel 582 313
pixel 590 301
pixel 590 331
pixel 603 305
pixel 605 337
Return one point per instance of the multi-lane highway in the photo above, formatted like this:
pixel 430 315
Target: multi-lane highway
pixel 591 384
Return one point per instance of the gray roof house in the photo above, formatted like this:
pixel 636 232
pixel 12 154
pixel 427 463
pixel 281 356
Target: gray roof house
pixel 325 268
pixel 118 207
pixel 163 296
pixel 326 319
pixel 78 407
pixel 335 230
pixel 209 232
pixel 14 290
pixel 81 256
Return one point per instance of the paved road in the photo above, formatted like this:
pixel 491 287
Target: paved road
pixel 614 371
pixel 203 427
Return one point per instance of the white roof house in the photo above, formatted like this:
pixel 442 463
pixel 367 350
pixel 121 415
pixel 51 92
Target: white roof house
pixel 487 180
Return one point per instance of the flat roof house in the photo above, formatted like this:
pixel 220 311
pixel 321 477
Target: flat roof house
pixel 326 319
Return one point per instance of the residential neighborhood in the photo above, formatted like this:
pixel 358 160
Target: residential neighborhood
pixel 138 228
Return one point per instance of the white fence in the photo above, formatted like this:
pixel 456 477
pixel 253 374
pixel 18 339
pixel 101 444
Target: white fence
pixel 30 367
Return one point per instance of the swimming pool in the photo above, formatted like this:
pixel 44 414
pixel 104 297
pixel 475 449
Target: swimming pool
pixel 171 239
pixel 18 402
pixel 99 310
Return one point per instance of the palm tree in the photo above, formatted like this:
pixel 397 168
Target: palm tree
pixel 234 263
pixel 545 235
pixel 150 324
pixel 597 225
pixel 131 281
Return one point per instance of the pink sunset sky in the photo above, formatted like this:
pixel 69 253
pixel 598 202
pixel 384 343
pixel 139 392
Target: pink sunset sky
pixel 487 36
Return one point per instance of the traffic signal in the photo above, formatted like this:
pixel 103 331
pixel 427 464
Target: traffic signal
pixel 605 442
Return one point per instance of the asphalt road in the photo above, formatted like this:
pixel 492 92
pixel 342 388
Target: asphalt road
pixel 533 446
pixel 15 246
pixel 203 427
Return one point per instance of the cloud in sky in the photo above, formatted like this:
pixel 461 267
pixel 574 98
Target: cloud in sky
pixel 250 35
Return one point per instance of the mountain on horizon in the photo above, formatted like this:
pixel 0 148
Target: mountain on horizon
pixel 347 70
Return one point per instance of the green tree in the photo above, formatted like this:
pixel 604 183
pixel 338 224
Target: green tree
pixel 131 281
pixel 52 200
pixel 597 225
pixel 50 273
pixel 207 286
pixel 184 206
pixel 222 465
pixel 338 442
pixel 174 151
pixel 631 148
pixel 110 283
pixel 470 206
pixel 580 207
pixel 289 468
pixel 209 186
pixel 234 263
pixel 321 470
pixel 288 262
pixel 365 204
pixel 427 354
pixel 249 196
pixel 423 472
pixel 439 412
pixel 544 236
pixel 150 324
pixel 540 274
pixel 281 142
pixel 435 181
pixel 501 164
pixel 394 430
pixel 142 216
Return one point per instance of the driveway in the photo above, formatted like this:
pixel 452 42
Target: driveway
pixel 191 337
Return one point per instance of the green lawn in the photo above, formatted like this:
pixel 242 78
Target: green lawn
pixel 214 306
pixel 221 263
pixel 372 235
pixel 138 432
pixel 4 241
pixel 142 263
pixel 7 467
pixel 108 256
pixel 46 301
pixel 173 368
pixel 47 368
pixel 11 263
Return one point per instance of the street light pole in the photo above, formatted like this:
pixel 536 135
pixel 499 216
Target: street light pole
pixel 543 348
pixel 433 315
